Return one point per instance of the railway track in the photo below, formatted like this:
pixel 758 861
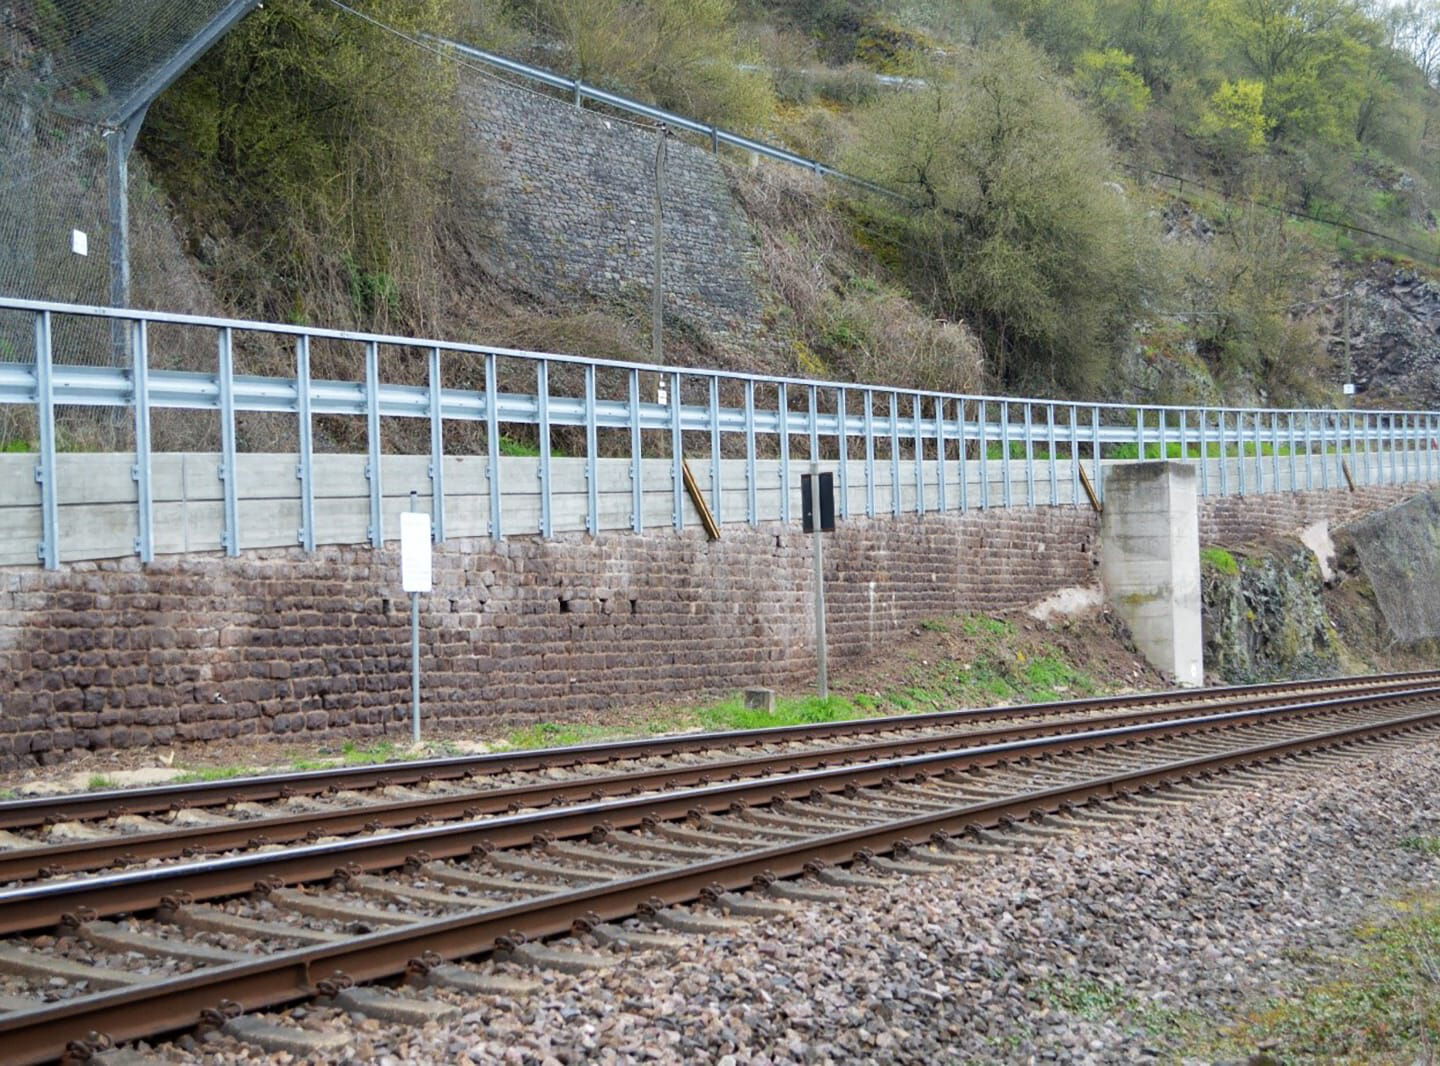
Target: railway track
pixel 269 927
pixel 57 836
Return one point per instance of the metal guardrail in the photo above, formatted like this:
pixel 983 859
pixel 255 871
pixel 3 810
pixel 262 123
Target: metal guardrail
pixel 579 92
pixel 907 430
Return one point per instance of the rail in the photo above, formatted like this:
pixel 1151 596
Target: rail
pixel 904 451
pixel 579 92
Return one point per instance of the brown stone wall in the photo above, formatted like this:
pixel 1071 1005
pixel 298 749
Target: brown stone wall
pixel 198 647
pixel 274 643
pixel 1238 519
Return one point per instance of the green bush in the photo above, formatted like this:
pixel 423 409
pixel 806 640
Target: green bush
pixel 308 150
pixel 1021 230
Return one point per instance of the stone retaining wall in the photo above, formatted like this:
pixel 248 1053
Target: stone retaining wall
pixel 112 654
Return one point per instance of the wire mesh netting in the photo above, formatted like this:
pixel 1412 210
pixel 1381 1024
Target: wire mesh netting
pixel 69 71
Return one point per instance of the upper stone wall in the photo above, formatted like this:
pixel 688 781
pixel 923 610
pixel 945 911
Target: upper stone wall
pixel 573 209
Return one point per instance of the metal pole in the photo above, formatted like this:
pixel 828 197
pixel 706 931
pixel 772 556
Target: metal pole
pixel 414 654
pixel 820 650
pixel 657 296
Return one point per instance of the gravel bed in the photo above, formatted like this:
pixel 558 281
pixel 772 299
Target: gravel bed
pixel 1195 907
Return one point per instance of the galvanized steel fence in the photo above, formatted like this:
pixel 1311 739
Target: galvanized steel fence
pixel 1006 452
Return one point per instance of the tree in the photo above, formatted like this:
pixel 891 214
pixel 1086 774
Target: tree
pixel 682 54
pixel 1021 229
pixel 1109 80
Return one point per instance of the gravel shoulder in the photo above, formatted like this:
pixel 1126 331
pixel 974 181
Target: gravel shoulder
pixel 1122 944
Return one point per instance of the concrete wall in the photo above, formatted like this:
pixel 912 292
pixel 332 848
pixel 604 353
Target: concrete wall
pixel 1151 563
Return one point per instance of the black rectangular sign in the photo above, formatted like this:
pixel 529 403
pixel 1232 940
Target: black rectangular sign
pixel 827 503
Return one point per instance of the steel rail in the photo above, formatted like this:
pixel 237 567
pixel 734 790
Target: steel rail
pixel 74 856
pixel 42 1034
pixel 36 811
pixel 38 906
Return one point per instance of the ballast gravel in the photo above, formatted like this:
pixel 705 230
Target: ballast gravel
pixel 1186 908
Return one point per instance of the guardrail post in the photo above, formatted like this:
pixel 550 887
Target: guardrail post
pixel 1290 428
pixel 437 452
pixel 941 467
pixel 144 496
pixel 895 504
pixel 1075 455
pixel 1324 456
pixel 716 469
pixel 677 456
pixel 1275 449
pixel 782 418
pixel 752 495
pixel 1029 432
pixel 869 454
pixel 1006 493
pixel 230 534
pixel 962 453
pixel 592 450
pixel 915 420
pixel 1098 454
pixel 842 438
pixel 372 468
pixel 1204 433
pixel 984 457
pixel 492 445
pixel 49 547
pixel 637 458
pixel 305 469
pixel 542 396
pixel 1051 444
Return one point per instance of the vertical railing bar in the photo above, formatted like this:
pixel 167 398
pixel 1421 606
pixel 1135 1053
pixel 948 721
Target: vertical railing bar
pixel 895 507
pixel 962 456
pixel 1140 434
pixel 144 495
pixel 1006 495
pixel 783 410
pixel 677 456
pixel 1163 434
pixel 942 500
pixel 1275 449
pixel 984 443
pixel 1097 453
pixel 1051 444
pixel 1203 430
pixel 869 453
pixel 1309 455
pixel 437 452
pixel 592 455
pixel 305 470
pixel 542 398
pixel 1074 455
pixel 1290 420
pixel 49 546
pixel 372 467
pixel 717 469
pixel 492 446
pixel 1029 430
pixel 752 498
pixel 1257 432
pixel 230 532
pixel 842 445
pixel 915 405
pixel 1240 445
pixel 1324 463
pixel 1224 453
pixel 637 456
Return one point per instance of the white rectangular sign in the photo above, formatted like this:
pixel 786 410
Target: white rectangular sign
pixel 415 551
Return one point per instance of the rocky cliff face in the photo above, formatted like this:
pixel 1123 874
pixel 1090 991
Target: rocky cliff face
pixel 1394 320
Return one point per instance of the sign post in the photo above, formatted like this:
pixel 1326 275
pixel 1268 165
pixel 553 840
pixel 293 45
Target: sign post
pixel 818 516
pixel 415 578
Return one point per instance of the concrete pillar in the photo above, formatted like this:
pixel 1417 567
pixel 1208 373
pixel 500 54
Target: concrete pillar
pixel 1150 562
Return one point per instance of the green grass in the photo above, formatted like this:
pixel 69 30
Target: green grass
pixel 98 782
pixel 1221 560
pixel 557 735
pixel 521 448
pixel 1097 1000
pixel 213 773
pixel 352 754
pixel 15 447
pixel 1380 1004
pixel 8 794
pixel 1424 845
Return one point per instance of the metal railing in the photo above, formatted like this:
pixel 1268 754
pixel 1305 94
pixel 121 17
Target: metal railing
pixel 579 92
pixel 1006 452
